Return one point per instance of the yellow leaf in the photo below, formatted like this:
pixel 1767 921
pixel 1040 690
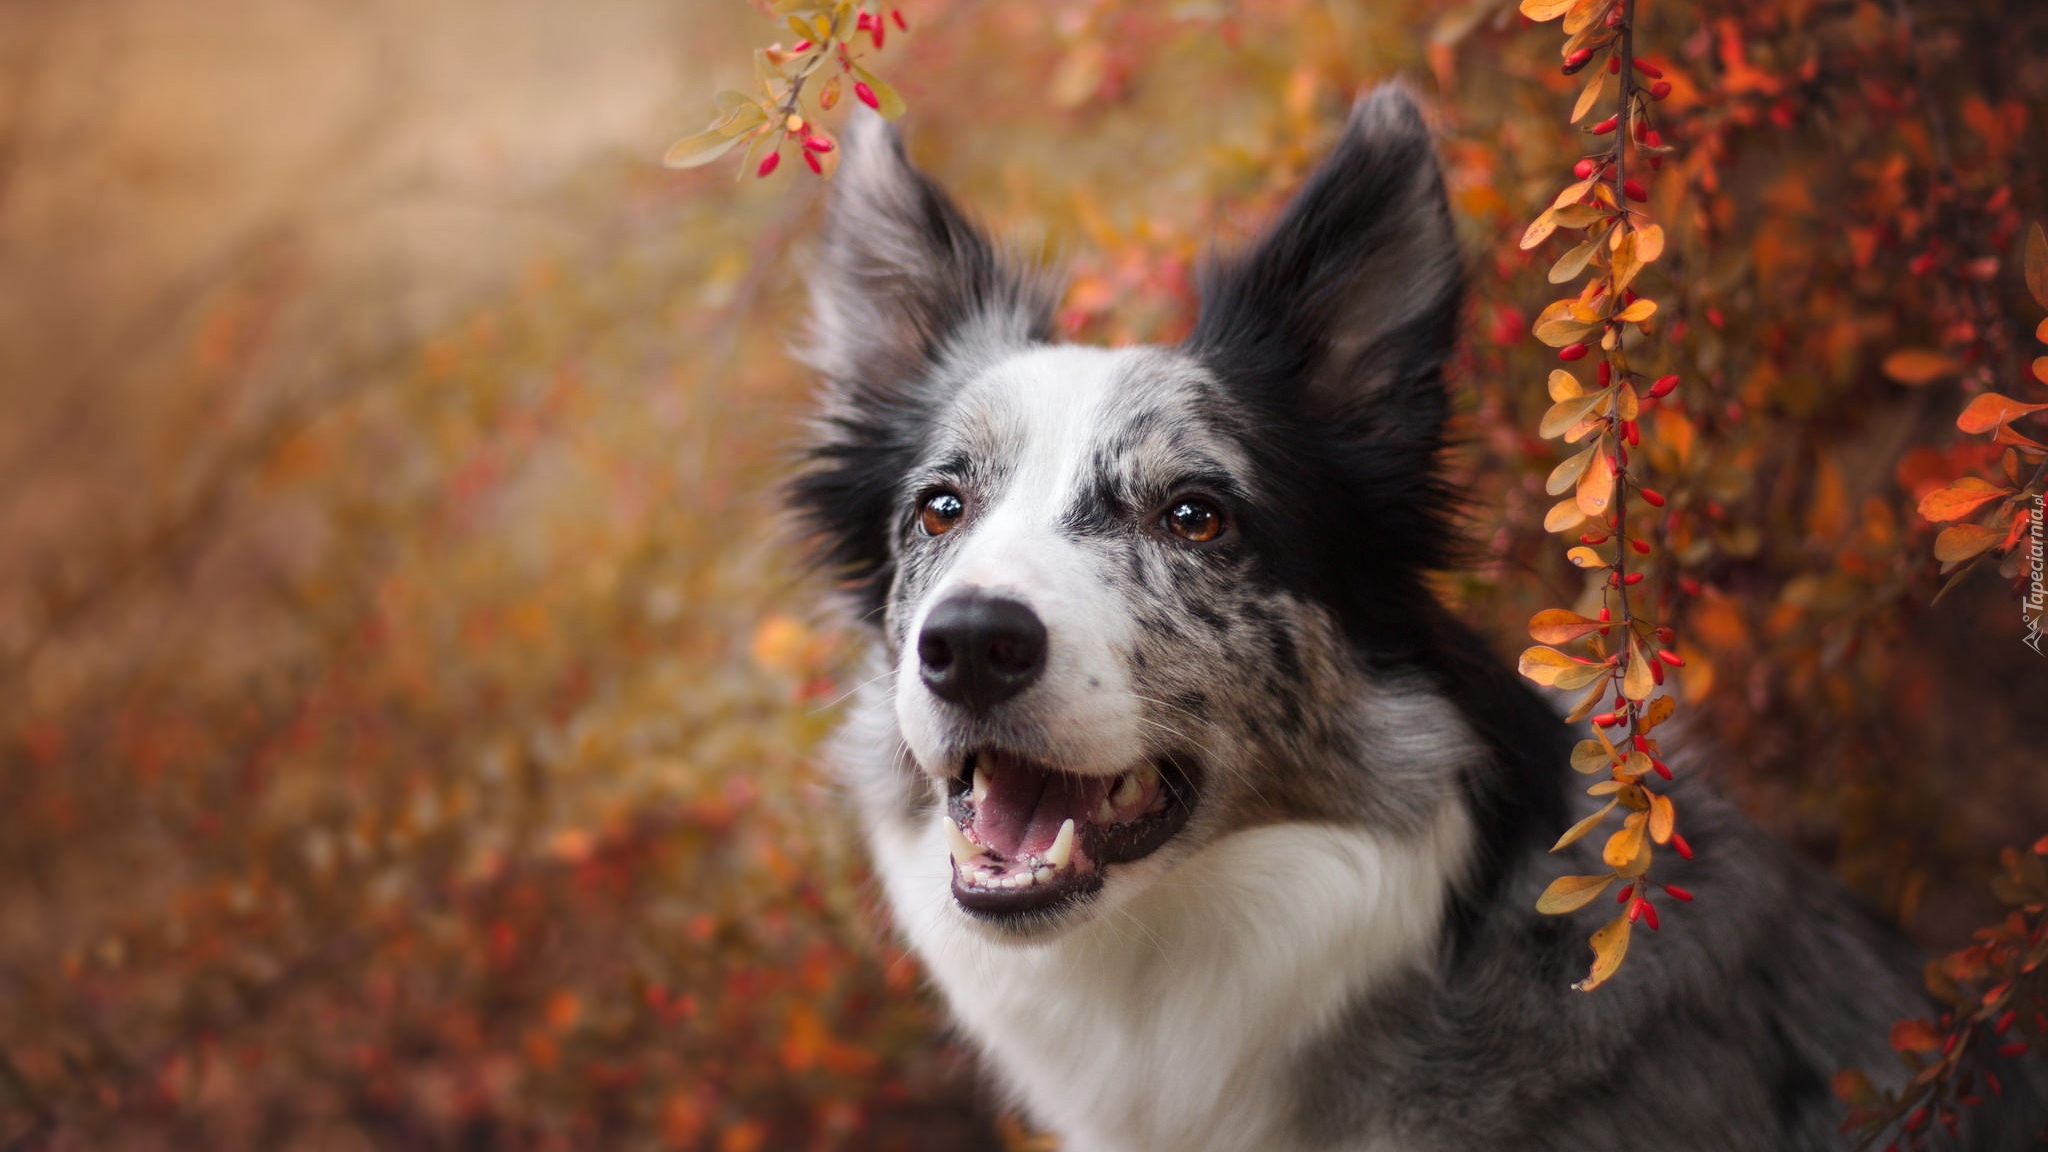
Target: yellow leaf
pixel 1564 385
pixel 1563 516
pixel 891 105
pixel 1590 96
pixel 1556 326
pixel 1596 487
pixel 1915 367
pixel 1578 830
pixel 1649 243
pixel 1637 683
pixel 1663 818
pixel 1564 414
pixel 1541 10
pixel 1585 557
pixel 1571 893
pixel 1569 470
pixel 1627 260
pixel 1543 664
pixel 1591 756
pixel 1587 704
pixel 1658 712
pixel 1623 847
pixel 1539 230
pixel 698 150
pixel 1582 15
pixel 1639 311
pixel 1572 263
pixel 1610 944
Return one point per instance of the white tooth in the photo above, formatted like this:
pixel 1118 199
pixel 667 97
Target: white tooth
pixel 1062 849
pixel 1105 812
pixel 1026 879
pixel 1128 789
pixel 963 849
pixel 980 786
pixel 1042 874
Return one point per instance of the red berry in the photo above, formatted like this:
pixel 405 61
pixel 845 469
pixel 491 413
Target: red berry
pixel 1572 351
pixel 1651 497
pixel 1660 89
pixel 1642 547
pixel 2015 1048
pixel 866 95
pixel 1678 894
pixel 865 22
pixel 817 144
pixel 1653 138
pixel 811 158
pixel 1606 373
pixel 2004 1024
pixel 1607 720
pixel 1583 169
pixel 1650 915
pixel 1664 385
pixel 1671 658
pixel 1577 60
pixel 1632 578
pixel 896 14
pixel 1664 770
pixel 1635 191
pixel 1649 69
pixel 1607 125
pixel 802 46
pixel 768 163
pixel 1613 65
pixel 1683 849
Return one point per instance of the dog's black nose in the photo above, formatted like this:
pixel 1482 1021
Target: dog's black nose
pixel 979 650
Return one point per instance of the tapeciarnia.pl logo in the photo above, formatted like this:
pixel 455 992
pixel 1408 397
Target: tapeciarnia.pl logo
pixel 2035 605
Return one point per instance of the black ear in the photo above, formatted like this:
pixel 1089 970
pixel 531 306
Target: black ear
pixel 905 291
pixel 1348 307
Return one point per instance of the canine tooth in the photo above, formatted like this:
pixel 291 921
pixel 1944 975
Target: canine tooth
pixel 980 790
pixel 1128 790
pixel 964 850
pixel 1062 849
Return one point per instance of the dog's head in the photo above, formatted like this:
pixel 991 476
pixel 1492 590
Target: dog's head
pixel 1134 600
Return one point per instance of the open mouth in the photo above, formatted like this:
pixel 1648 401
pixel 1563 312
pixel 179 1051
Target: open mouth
pixel 1026 838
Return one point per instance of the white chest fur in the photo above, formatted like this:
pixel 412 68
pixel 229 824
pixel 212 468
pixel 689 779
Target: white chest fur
pixel 1171 1021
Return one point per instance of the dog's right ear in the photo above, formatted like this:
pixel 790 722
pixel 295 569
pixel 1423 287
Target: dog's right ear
pixel 905 290
pixel 905 278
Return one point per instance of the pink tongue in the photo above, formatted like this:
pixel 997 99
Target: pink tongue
pixel 1025 806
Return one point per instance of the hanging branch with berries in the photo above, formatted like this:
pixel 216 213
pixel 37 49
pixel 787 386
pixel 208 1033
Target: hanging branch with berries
pixel 797 86
pixel 1625 653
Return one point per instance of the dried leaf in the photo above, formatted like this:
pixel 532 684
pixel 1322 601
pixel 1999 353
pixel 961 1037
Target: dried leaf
pixel 1591 756
pixel 1564 385
pixel 1543 664
pixel 1571 893
pixel 1539 230
pixel 1583 15
pixel 1915 367
pixel 1610 944
pixel 1658 712
pixel 1585 557
pixel 698 150
pixel 1959 542
pixel 1968 495
pixel 1627 260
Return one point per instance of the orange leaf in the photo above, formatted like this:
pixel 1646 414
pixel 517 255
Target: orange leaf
pixel 1596 487
pixel 1610 944
pixel 1915 367
pixel 1990 410
pixel 1559 626
pixel 1915 1036
pixel 1541 10
pixel 1966 497
pixel 1961 541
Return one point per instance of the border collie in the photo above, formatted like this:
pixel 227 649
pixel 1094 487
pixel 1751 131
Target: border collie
pixel 1215 829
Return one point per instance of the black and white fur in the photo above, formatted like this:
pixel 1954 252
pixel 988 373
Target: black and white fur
pixel 1334 946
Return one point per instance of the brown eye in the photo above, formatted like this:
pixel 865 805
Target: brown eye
pixel 939 512
pixel 1194 519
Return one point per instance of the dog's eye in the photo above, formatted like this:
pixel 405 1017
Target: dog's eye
pixel 939 512
pixel 1193 518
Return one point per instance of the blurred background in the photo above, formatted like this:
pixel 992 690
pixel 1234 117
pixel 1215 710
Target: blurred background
pixel 410 694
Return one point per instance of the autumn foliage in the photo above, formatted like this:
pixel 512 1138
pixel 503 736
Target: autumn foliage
pixel 412 742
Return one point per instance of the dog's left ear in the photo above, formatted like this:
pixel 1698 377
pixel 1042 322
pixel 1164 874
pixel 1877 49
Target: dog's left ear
pixel 1348 307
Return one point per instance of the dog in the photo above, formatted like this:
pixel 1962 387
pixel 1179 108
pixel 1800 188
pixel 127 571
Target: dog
pixel 1217 832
